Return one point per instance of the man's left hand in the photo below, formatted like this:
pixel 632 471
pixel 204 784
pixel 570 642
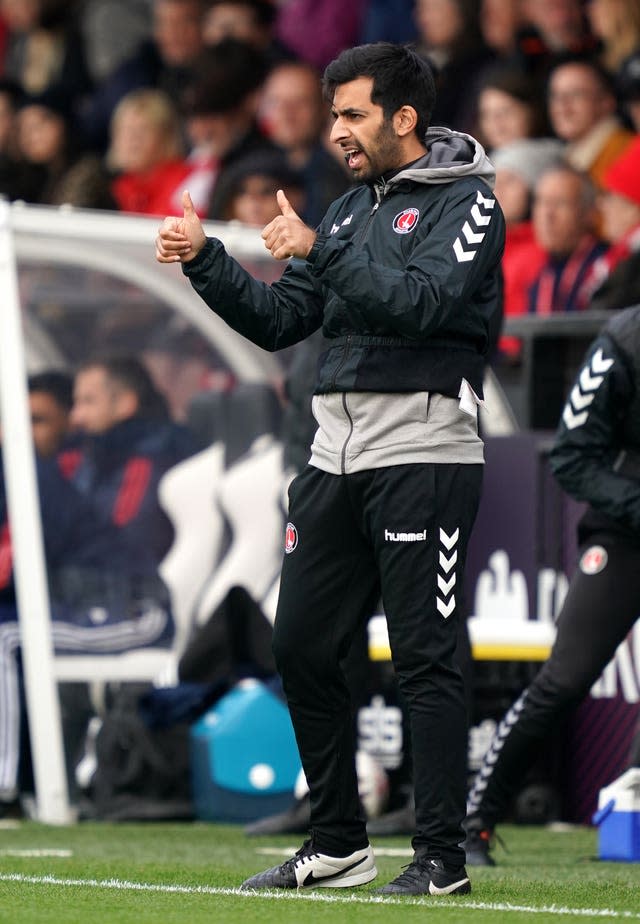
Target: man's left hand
pixel 287 235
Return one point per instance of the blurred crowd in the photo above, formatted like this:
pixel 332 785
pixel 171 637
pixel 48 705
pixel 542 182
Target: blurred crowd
pixel 121 104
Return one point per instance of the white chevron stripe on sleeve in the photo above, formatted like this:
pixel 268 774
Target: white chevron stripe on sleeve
pixel 591 377
pixel 471 236
pixel 485 203
pixel 572 420
pixel 599 364
pixel 578 400
pixel 478 217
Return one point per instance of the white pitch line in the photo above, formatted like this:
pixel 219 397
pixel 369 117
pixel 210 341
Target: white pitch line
pixel 42 852
pixel 459 904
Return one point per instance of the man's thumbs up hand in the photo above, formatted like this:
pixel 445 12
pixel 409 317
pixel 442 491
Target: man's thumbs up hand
pixel 187 205
pixel 287 235
pixel 179 240
pixel 285 206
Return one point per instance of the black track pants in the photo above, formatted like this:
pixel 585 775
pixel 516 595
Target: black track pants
pixel 400 531
pixel 598 613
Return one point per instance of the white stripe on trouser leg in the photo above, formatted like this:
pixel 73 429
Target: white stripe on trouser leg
pixel 109 639
pixel 493 753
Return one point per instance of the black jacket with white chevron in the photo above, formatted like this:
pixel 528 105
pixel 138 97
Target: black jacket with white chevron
pixel 404 279
pixel 596 454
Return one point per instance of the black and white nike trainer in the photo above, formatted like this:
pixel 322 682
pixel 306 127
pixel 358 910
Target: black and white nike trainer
pixel 310 869
pixel 429 877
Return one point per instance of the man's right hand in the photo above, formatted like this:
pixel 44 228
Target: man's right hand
pixel 179 240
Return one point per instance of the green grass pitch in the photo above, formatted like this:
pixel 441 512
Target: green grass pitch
pixel 160 873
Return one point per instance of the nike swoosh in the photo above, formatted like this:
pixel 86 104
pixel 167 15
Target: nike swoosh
pixel 347 869
pixel 434 890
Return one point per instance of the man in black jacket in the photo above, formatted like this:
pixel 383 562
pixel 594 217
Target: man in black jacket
pixel 596 458
pixel 403 277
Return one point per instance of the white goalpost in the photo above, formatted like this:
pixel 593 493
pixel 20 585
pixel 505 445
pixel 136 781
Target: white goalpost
pixel 27 545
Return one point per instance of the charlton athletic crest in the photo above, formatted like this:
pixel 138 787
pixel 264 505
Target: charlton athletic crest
pixel 405 221
pixel 290 538
pixel 593 560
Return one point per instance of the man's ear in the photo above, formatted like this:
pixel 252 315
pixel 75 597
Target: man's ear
pixel 128 404
pixel 405 120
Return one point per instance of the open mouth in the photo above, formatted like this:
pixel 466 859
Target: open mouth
pixel 354 158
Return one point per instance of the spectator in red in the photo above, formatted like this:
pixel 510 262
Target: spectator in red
pixel 615 278
pixel 518 166
pixel 564 221
pixel 147 153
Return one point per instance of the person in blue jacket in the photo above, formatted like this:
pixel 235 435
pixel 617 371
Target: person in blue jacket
pixel 124 443
pixel 403 277
pixel 104 534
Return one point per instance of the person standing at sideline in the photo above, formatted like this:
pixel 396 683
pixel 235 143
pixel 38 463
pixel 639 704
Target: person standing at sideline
pixel 596 458
pixel 403 277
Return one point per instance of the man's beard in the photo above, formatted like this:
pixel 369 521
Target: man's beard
pixel 381 156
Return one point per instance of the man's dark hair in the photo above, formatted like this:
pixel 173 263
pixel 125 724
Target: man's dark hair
pixel 131 374
pixel 55 383
pixel 401 77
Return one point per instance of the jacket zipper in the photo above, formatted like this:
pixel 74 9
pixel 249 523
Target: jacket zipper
pixel 360 241
pixel 343 453
pixel 343 457
pixel 365 230
pixel 379 193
